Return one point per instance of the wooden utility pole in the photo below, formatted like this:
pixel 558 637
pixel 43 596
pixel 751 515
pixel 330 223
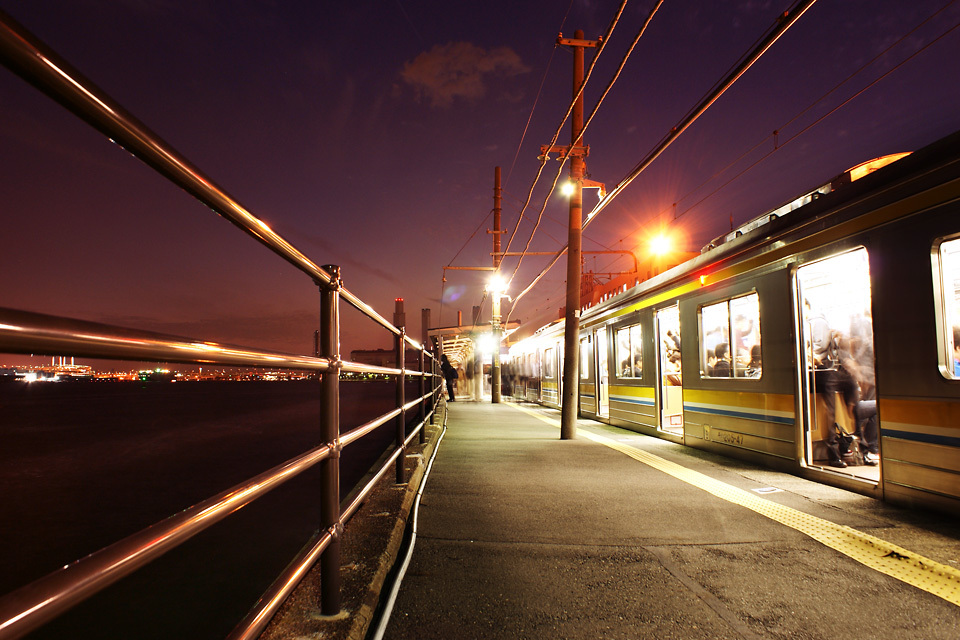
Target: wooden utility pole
pixel 495 293
pixel 571 331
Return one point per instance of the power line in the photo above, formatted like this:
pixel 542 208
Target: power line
pixel 556 136
pixel 583 129
pixel 786 20
pixel 537 99
pixel 775 135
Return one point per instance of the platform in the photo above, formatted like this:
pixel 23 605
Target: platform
pixel 620 535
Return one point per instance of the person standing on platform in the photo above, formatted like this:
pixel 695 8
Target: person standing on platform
pixel 449 374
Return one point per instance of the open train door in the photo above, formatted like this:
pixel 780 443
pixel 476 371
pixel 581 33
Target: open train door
pixel 670 386
pixel 602 377
pixel 837 377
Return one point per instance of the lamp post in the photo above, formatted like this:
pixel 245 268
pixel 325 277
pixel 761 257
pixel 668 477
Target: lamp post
pixel 495 288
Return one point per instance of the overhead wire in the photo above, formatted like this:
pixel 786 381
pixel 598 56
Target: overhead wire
pixel 443 285
pixel 556 136
pixel 775 135
pixel 586 124
pixel 536 100
pixel 786 20
pixel 532 109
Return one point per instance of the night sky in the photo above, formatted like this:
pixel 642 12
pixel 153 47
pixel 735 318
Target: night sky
pixel 367 133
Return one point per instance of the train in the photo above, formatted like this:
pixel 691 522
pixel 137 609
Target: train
pixel 822 338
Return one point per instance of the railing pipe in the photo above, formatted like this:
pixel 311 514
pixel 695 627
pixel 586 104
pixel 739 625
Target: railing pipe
pixel 330 433
pixel 355 434
pixel 21 332
pixel 37 333
pixel 24 54
pixel 253 624
pixel 357 367
pixel 401 419
pixel 351 508
pixel 423 391
pixel 37 603
pixel 38 64
pixel 412 435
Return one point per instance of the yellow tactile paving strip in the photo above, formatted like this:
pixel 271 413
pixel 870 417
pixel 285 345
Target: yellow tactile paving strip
pixel 923 573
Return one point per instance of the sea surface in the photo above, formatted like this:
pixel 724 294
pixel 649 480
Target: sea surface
pixel 84 464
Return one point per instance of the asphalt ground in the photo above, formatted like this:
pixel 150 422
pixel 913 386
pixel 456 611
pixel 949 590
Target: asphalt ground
pixel 524 535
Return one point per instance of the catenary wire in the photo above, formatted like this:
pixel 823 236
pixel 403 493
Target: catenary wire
pixel 779 145
pixel 789 18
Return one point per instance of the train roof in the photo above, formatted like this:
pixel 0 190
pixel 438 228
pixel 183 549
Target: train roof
pixel 821 203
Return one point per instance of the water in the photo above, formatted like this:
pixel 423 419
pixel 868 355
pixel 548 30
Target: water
pixel 85 464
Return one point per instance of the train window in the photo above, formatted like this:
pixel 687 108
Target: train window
pixel 950 308
pixel 549 364
pixel 730 338
pixel 629 352
pixel 584 359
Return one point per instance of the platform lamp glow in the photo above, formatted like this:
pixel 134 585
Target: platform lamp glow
pixel 496 289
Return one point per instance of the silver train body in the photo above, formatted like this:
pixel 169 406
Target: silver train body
pixel 820 339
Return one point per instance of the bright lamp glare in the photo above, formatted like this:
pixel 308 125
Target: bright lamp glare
pixel 567 189
pixel 496 285
pixel 485 344
pixel 660 245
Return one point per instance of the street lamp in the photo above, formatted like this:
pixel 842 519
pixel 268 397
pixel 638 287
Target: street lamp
pixel 660 244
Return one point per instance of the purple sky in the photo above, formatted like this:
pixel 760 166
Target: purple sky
pixel 367 135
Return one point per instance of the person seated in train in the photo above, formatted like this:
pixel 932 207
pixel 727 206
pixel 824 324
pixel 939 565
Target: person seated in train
pixel 754 365
pixel 956 352
pixel 722 367
pixel 711 360
pixel 842 382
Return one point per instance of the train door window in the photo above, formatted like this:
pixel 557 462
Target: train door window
pixel 630 352
pixel 549 364
pixel 730 338
pixel 670 389
pixel 585 359
pixel 837 375
pixel 949 307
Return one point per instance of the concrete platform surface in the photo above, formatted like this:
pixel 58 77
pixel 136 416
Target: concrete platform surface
pixel 524 535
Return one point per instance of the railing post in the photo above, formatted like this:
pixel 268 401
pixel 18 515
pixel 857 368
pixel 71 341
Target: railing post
pixel 433 388
pixel 423 392
pixel 402 418
pixel 330 433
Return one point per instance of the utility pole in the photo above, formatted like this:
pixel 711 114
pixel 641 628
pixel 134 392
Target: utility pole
pixel 571 330
pixel 495 320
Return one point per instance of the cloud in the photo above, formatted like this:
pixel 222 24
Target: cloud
pixel 458 70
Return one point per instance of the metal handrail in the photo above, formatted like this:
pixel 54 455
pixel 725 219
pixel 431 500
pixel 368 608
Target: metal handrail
pixel 24 332
pixel 24 54
pixel 32 605
pixel 259 617
pixel 27 332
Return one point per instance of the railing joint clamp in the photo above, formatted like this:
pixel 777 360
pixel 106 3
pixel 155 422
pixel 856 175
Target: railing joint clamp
pixel 335 530
pixel 334 285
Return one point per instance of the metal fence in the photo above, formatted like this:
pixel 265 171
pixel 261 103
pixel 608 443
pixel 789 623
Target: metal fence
pixel 22 332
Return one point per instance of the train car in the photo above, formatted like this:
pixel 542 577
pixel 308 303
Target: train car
pixel 821 338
